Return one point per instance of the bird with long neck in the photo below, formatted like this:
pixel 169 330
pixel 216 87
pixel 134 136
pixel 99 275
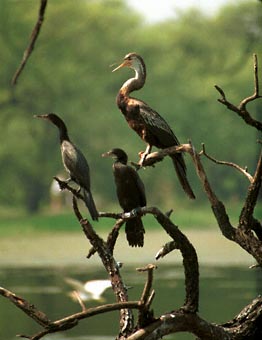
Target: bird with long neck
pixel 145 121
pixel 131 194
pixel 74 162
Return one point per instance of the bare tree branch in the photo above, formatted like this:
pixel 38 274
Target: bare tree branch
pixel 144 315
pixel 233 165
pixel 33 38
pixel 256 94
pixel 244 238
pixel 26 307
pixel 241 109
pixel 112 268
pixel 65 323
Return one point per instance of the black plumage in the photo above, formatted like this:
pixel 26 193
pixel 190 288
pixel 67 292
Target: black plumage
pixel 74 162
pixel 131 194
pixel 145 121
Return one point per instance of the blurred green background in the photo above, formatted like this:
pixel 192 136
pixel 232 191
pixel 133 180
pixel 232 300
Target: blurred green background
pixel 69 73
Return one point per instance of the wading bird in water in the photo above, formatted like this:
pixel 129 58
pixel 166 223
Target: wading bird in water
pixel 74 162
pixel 131 194
pixel 145 121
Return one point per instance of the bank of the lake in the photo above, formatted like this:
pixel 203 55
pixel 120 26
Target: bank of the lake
pixel 71 248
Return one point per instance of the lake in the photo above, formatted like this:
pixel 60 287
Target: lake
pixel 224 291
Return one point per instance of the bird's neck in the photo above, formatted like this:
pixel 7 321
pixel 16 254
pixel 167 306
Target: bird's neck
pixel 135 83
pixel 63 134
pixel 121 161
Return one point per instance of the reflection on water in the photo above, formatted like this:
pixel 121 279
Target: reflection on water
pixel 223 292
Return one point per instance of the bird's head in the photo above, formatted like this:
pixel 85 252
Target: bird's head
pixel 52 117
pixel 117 154
pixel 48 116
pixel 133 61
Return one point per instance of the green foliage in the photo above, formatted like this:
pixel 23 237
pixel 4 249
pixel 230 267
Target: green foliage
pixel 69 73
pixel 22 224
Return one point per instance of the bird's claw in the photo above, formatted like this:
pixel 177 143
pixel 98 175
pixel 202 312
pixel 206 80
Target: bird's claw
pixel 142 156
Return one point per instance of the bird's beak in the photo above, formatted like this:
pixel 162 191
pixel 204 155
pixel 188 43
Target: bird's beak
pixel 106 154
pixel 126 63
pixel 40 116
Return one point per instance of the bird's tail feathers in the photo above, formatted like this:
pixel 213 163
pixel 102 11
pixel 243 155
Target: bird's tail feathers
pixel 135 232
pixel 180 167
pixel 90 204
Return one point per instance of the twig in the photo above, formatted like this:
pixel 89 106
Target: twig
pixel 80 301
pixel 63 185
pixel 166 249
pixel 144 315
pixel 26 307
pixel 241 109
pixel 148 285
pixel 64 323
pixel 111 239
pixel 233 165
pixel 256 95
pixel 33 38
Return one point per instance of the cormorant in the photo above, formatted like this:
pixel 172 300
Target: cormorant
pixel 131 194
pixel 145 121
pixel 74 162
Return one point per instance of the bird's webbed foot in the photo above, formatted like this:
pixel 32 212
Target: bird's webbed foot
pixel 142 157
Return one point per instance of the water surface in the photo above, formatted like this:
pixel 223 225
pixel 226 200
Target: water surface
pixel 223 293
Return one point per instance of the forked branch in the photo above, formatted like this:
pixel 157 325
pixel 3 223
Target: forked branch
pixel 241 109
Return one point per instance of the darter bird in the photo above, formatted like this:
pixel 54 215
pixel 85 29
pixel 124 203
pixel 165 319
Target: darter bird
pixel 131 194
pixel 145 121
pixel 74 162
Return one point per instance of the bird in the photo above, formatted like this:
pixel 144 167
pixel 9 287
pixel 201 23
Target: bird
pixel 131 194
pixel 90 290
pixel 74 163
pixel 146 122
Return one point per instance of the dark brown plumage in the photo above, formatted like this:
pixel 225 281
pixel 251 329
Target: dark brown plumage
pixel 74 162
pixel 131 194
pixel 146 122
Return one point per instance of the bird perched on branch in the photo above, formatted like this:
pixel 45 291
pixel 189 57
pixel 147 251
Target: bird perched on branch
pixel 146 122
pixel 74 162
pixel 131 194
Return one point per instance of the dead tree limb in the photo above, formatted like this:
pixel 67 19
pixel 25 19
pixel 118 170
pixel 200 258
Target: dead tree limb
pixel 241 109
pixel 233 165
pixel 243 236
pixel 64 323
pixel 26 307
pixel 33 38
pixel 145 316
pixel 120 290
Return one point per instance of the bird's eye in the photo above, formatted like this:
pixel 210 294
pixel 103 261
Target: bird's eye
pixel 128 57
